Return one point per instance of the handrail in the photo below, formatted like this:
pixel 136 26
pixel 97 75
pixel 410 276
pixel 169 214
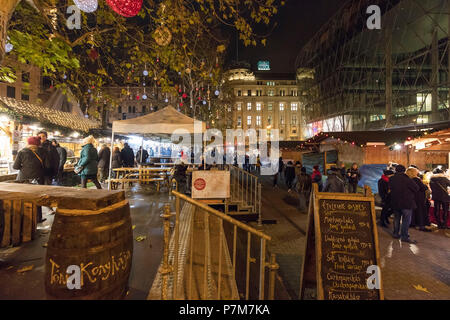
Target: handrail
pixel 222 216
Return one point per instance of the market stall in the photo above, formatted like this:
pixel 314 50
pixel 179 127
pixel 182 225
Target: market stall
pixel 163 122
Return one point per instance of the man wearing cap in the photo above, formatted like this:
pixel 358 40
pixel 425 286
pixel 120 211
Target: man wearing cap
pixel 384 192
pixel 31 162
pixel 403 190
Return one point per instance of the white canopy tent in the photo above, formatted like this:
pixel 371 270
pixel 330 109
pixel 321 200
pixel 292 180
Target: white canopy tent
pixel 164 121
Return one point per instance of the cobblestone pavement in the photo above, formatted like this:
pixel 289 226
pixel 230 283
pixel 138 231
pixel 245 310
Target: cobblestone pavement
pixel 409 272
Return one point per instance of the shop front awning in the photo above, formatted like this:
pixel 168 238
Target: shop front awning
pixel 48 115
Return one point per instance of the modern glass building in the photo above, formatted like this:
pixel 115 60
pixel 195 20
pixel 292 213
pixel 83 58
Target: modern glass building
pixel 352 77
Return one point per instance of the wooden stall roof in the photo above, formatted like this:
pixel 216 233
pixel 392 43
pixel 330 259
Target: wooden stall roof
pixel 357 137
pixel 62 197
pixel 44 114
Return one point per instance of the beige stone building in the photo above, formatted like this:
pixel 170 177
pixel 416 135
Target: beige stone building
pixel 265 101
pixel 27 86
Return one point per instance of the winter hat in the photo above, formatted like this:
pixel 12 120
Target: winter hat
pixel 88 140
pixel 400 169
pixel 34 141
pixel 388 172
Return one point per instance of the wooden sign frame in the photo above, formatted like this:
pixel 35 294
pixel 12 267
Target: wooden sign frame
pixel 312 262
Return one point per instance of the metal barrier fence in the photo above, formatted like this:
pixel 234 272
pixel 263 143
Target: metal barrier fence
pixel 207 214
pixel 245 189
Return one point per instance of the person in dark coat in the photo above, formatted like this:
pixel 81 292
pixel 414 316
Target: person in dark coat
pixel 385 195
pixel 127 156
pixel 439 184
pixel 353 176
pixel 30 162
pixel 289 174
pixel 343 174
pixel 104 156
pixel 317 177
pixel 62 153
pixel 304 185
pixel 334 183
pixel 403 191
pixel 52 155
pixel 116 160
pixel 420 213
pixel 89 163
pixel 180 175
pixel 144 156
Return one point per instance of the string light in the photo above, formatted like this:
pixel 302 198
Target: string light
pixel 87 6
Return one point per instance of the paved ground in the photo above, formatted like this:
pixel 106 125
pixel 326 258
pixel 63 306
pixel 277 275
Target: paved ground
pixel 145 206
pixel 404 267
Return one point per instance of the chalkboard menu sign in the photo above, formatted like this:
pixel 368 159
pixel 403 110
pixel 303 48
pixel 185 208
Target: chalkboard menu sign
pixel 342 233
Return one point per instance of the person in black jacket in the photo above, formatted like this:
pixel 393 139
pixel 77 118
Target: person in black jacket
pixel 439 184
pixel 62 153
pixel 419 218
pixel 144 156
pixel 334 183
pixel 104 156
pixel 127 156
pixel 403 191
pixel 289 174
pixel 353 176
pixel 385 195
pixel 304 185
pixel 52 155
pixel 116 160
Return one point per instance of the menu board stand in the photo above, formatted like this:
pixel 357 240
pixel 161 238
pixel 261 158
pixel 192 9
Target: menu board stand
pixel 341 248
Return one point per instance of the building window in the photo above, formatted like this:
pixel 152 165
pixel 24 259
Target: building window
pixel 129 109
pixel 281 106
pixel 259 93
pixel 25 77
pixel 134 109
pixel 269 120
pixel 269 106
pixel 258 106
pixel 229 108
pixel 239 93
pixel 294 106
pixel 249 120
pixel 249 93
pixel 144 109
pixel 282 120
pixel 26 94
pixel 120 109
pixel 239 121
pixel 294 93
pixel 11 92
pixel 249 106
pixel 239 107
pixel 294 131
pixel 294 120
pixel 270 83
pixel 258 121
pixel 270 93
pixel 282 93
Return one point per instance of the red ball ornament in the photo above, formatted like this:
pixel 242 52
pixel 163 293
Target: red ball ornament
pixel 137 97
pixel 184 95
pixel 126 8
pixel 181 104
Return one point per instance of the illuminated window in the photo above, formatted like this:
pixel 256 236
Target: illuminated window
pixel 269 106
pixel 239 121
pixel 258 106
pixel 294 120
pixel 269 120
pixel 281 106
pixel 239 106
pixel 282 120
pixel 258 121
pixel 249 120
pixel 294 106
pixel 249 106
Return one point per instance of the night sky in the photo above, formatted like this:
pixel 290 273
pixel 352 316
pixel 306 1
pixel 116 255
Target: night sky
pixel 296 23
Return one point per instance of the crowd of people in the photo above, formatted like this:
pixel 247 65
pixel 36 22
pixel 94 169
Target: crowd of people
pixel 406 193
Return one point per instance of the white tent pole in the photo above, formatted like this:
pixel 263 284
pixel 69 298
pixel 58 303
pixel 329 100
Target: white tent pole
pixel 110 160
pixel 142 148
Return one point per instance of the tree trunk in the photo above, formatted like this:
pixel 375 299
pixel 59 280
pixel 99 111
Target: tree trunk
pixel 6 10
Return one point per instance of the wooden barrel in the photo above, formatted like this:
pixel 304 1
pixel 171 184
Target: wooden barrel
pixel 99 243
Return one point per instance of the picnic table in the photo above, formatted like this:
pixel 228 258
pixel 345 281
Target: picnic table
pixel 142 175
